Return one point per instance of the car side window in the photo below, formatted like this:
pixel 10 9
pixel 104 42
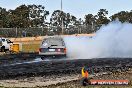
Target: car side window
pixel 3 40
pixel 44 41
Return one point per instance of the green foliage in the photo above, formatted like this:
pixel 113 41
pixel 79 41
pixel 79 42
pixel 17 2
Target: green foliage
pixel 123 16
pixel 94 22
pixel 34 16
pixel 101 17
pixel 3 17
pixel 24 16
pixel 37 15
pixel 59 18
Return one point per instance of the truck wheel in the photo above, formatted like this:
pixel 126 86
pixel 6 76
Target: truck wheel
pixel 3 49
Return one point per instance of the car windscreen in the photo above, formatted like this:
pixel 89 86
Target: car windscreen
pixel 3 40
pixel 8 40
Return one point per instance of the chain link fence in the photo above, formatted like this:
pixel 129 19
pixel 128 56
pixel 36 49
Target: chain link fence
pixel 32 32
pixel 22 32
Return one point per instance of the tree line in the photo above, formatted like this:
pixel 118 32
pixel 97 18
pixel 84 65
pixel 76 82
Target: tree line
pixel 34 16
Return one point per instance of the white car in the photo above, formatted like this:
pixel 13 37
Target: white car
pixel 52 46
pixel 5 44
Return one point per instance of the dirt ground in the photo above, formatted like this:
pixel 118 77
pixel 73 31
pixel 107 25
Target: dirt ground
pixel 44 81
pixel 66 81
pixel 77 83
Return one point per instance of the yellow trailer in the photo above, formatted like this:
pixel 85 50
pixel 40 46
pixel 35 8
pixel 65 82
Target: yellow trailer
pixel 16 47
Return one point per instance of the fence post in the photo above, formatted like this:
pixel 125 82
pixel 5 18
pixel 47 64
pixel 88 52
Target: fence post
pixel 16 32
pixel 42 31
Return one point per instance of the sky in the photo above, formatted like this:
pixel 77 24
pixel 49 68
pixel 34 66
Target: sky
pixel 78 8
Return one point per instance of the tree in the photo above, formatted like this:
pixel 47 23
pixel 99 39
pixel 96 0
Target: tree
pixel 3 17
pixel 130 16
pixel 89 19
pixel 58 18
pixel 123 16
pixel 19 17
pixel 37 15
pixel 90 22
pixel 56 21
pixel 101 17
pixel 25 16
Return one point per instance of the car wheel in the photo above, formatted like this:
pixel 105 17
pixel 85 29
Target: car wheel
pixel 3 49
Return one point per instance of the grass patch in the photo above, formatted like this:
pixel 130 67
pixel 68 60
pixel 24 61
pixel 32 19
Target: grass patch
pixel 30 47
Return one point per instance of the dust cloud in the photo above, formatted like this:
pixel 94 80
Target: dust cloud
pixel 112 40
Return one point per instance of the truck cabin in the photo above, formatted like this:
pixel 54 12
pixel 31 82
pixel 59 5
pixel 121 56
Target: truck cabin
pixel 5 40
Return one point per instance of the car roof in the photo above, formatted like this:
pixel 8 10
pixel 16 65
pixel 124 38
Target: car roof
pixel 53 38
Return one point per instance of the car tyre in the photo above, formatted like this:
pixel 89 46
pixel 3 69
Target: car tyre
pixel 3 49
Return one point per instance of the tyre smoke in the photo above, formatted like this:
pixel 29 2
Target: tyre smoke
pixel 112 40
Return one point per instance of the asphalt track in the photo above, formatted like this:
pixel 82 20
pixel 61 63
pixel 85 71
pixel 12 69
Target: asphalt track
pixel 18 67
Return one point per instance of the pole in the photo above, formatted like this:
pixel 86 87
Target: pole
pixel 16 32
pixel 62 18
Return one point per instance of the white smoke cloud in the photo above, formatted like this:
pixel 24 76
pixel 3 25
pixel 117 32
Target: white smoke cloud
pixel 112 40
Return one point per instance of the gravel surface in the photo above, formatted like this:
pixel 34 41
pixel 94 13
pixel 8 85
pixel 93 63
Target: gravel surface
pixel 66 81
pixel 43 81
pixel 64 66
pixel 119 75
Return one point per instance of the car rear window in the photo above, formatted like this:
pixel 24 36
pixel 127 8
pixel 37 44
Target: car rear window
pixel 54 41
